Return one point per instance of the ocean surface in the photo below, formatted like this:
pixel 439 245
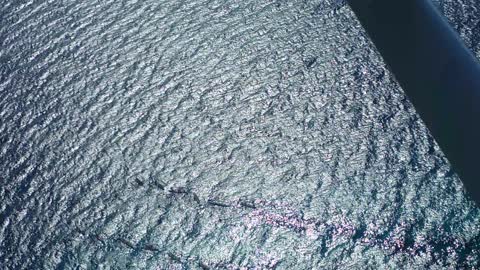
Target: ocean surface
pixel 215 134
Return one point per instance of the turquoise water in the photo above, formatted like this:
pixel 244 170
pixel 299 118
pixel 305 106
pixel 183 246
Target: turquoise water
pixel 218 134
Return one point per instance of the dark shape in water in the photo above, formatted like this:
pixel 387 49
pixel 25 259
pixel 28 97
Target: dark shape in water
pixel 126 243
pixel 139 182
pixel 178 190
pixel 247 204
pixel 310 62
pixel 159 184
pixel 151 247
pixel 216 203
pixel 203 266
pixel 438 73
pixel 196 198
pixel 174 257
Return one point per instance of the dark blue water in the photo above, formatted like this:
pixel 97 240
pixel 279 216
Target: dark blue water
pixel 223 134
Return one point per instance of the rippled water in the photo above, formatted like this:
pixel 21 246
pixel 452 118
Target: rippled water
pixel 224 134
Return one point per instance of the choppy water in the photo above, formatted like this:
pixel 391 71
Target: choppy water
pixel 226 134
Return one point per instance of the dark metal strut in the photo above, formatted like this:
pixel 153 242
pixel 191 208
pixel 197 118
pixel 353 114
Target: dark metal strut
pixel 439 74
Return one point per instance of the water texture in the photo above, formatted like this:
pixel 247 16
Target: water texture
pixel 173 134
